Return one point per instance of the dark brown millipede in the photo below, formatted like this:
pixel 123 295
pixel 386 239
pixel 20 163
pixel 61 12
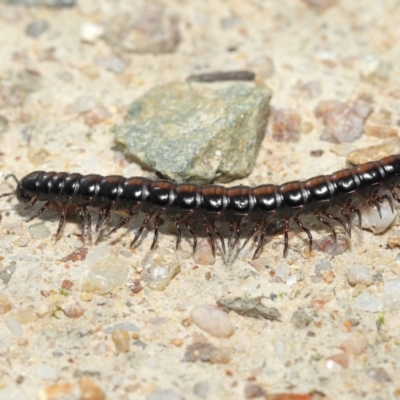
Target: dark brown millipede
pixel 329 198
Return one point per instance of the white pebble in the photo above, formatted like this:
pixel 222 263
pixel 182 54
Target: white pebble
pixel 366 301
pixel 39 231
pixel 360 274
pixel 391 293
pixel 159 268
pixel 90 32
pixel 322 265
pixel 14 327
pixel 46 372
pixel 105 275
pixel 282 273
pixel 71 307
pixel 212 320
pixel 168 394
pixel 373 222
pixel 203 254
pixel 353 343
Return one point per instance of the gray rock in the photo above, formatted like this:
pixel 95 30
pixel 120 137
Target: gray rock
pixel 46 3
pixel 7 272
pixel 169 394
pixel 368 302
pixel 197 132
pixel 36 28
pixel 391 293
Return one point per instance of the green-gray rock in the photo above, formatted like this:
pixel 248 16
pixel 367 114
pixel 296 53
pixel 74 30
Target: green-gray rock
pixel 197 132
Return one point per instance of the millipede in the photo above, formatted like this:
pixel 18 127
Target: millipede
pixel 330 199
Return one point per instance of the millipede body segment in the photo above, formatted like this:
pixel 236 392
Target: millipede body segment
pixel 330 199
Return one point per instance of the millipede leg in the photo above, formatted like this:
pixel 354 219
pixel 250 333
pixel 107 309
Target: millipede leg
pixel 286 248
pixel 156 226
pixel 375 203
pixel 122 223
pixel 178 233
pixel 38 212
pixel 389 199
pixel 358 212
pixel 251 234
pixel 231 230
pixel 237 232
pixel 31 204
pixel 89 220
pixel 310 239
pixel 395 195
pixel 139 232
pixel 341 222
pixel 83 222
pixel 189 228
pixel 103 214
pixel 218 233
pixel 62 219
pixel 326 223
pixel 210 236
pixel 260 242
pixel 348 219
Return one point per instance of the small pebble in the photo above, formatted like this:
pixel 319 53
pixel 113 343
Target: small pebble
pixel 7 272
pixel 206 352
pixel 353 343
pixel 391 293
pixel 71 307
pixel 203 254
pixel 122 326
pixel 282 272
pixel 149 28
pixel 169 394
pixel 379 374
pixel 3 124
pixel 344 122
pixel 373 69
pixel 341 359
pixel 105 275
pixel 380 130
pixel 394 240
pixel 253 391
pixel 14 327
pixel 159 268
pixel 212 320
pixel 372 221
pixel 96 116
pixel 121 340
pixel 301 318
pixel 36 28
pixel 39 231
pixel 358 274
pixel 366 301
pixel 5 305
pixel 322 266
pixel 90 390
pixel 201 389
pixel 286 125
pixel 320 5
pixel 91 32
pixel 25 315
pixel 112 63
pixel 328 245
pixel 46 372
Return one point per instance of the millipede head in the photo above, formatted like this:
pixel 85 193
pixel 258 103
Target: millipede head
pixel 21 191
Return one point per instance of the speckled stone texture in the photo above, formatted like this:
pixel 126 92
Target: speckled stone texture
pixel 62 92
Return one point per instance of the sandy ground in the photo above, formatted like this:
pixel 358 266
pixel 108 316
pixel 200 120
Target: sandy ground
pixel 61 96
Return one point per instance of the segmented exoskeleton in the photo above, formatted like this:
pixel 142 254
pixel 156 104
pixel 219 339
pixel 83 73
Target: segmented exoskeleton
pixel 329 198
